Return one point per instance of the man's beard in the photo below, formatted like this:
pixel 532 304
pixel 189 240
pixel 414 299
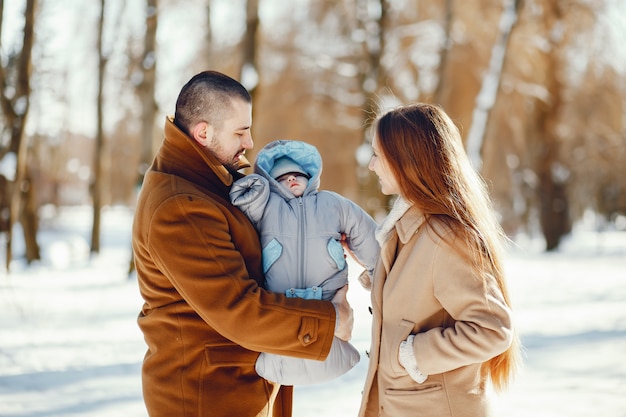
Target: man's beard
pixel 232 164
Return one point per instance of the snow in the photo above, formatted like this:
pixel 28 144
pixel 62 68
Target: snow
pixel 70 345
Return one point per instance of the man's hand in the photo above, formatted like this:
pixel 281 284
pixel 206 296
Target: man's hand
pixel 345 315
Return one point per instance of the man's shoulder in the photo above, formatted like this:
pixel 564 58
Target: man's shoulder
pixel 163 188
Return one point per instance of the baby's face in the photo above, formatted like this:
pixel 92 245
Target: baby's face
pixel 294 181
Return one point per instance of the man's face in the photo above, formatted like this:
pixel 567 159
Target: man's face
pixel 230 142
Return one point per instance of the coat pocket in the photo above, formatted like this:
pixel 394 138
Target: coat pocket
pixel 229 355
pixel 271 253
pixel 405 327
pixel 335 250
pixel 423 400
pixel 227 377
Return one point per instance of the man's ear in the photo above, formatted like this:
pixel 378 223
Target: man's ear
pixel 202 133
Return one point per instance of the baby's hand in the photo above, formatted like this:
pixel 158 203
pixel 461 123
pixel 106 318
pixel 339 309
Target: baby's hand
pixel 345 315
pixel 366 279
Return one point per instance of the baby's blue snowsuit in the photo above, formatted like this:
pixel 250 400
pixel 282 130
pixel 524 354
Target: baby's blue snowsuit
pixel 302 253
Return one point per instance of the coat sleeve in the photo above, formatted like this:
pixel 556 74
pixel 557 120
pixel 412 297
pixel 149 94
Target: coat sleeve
pixel 192 243
pixel 480 324
pixel 360 229
pixel 251 194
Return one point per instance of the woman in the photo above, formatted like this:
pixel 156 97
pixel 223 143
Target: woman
pixel 441 326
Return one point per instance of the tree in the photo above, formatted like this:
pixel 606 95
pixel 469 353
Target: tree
pixel 445 46
pixel 552 187
pixel 97 178
pixel 145 90
pixel 15 103
pixel 549 142
pixel 248 72
pixel 488 93
pixel 371 28
pixel 100 158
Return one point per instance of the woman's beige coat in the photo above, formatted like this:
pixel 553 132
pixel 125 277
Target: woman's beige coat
pixel 423 286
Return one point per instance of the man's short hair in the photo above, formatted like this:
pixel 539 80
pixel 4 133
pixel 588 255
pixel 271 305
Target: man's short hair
pixel 207 98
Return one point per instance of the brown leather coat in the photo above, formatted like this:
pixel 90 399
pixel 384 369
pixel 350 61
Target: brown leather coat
pixel 205 317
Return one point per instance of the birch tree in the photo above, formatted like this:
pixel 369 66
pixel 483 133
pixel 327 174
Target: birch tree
pixel 491 83
pixel 445 47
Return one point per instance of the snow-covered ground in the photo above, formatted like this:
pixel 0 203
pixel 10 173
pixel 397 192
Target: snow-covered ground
pixel 70 346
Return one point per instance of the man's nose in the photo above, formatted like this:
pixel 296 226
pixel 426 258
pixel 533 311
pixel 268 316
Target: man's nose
pixel 246 141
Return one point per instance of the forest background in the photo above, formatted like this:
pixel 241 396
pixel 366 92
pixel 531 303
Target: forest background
pixel 536 87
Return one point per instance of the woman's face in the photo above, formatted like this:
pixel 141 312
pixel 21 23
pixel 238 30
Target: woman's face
pixel 388 182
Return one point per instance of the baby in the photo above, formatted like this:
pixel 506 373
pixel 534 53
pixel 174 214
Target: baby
pixel 301 229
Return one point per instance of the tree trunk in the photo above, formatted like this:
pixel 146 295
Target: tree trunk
pixel 15 109
pixel 447 28
pixel 249 73
pixel 28 218
pixel 491 83
pixel 146 95
pixel 147 88
pixel 96 184
pixel 370 77
pixel 553 201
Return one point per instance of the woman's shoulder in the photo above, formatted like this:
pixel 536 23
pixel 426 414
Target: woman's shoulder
pixel 444 232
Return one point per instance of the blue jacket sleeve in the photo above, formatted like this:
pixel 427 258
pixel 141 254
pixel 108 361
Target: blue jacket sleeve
pixel 360 228
pixel 251 194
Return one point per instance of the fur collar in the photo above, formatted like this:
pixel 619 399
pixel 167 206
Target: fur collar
pixel 383 231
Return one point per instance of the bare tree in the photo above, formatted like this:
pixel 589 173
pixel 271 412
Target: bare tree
pixel 145 90
pixel 15 103
pixel 100 166
pixel 328 64
pixel 491 82
pixel 248 73
pixel 445 47
pixel 373 28
pixel 97 178
pixel 552 187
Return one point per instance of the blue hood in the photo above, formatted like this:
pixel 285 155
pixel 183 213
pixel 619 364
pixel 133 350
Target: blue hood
pixel 304 154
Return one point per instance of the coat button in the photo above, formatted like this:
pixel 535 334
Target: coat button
pixel 307 338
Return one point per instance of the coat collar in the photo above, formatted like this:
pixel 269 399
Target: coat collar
pixel 409 224
pixel 187 158
pixel 404 228
pixel 404 218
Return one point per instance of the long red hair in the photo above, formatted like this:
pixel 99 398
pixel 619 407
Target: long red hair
pixel 425 152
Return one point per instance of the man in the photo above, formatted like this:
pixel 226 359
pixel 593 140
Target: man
pixel 206 316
